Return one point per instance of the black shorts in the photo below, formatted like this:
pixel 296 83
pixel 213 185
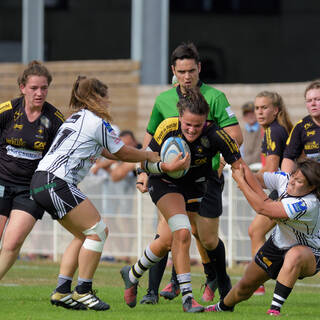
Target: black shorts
pixel 55 195
pixel 17 197
pixel 192 193
pixel 211 204
pixel 270 258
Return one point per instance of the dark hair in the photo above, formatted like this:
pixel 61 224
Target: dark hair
pixel 313 85
pixel 193 101
pixel 34 68
pixel 185 51
pixel 127 133
pixel 311 170
pixel 86 94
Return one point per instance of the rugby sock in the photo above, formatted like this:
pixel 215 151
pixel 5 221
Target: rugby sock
pixel 184 280
pixel 218 260
pixel 64 284
pixel 84 285
pixel 209 271
pixel 220 306
pixel 156 273
pixel 281 293
pixel 147 260
pixel 174 275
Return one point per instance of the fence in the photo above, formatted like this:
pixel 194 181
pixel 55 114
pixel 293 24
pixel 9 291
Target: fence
pixel 132 220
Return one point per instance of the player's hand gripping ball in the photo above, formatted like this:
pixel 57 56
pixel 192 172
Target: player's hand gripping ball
pixel 169 151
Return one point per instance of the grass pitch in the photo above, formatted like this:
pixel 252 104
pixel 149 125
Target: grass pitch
pixel 26 289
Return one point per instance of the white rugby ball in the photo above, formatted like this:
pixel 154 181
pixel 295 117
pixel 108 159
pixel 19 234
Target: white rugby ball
pixel 169 151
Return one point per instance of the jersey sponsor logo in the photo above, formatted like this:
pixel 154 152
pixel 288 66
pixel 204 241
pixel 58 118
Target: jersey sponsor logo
pixel 281 173
pixel 18 126
pixel 230 112
pixel 18 142
pixel 314 156
pixel 165 127
pixel 108 126
pixel 205 142
pixel 311 145
pixel 39 145
pixel 299 206
pixel 311 133
pixel 5 106
pixel 199 162
pixel 23 153
pixel 266 261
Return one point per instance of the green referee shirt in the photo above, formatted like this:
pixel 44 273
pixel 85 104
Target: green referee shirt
pixel 220 111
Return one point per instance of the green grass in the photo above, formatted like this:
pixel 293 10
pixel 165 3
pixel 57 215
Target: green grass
pixel 25 291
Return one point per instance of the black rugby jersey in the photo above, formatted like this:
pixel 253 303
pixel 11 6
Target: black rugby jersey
pixel 304 138
pixel 274 140
pixel 24 143
pixel 212 140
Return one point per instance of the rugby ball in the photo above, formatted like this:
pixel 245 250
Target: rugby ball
pixel 169 151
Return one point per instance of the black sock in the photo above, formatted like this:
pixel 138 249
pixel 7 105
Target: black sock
pixel 84 286
pixel 209 271
pixel 156 273
pixel 174 275
pixel 218 260
pixel 64 287
pixel 223 307
pixel 281 293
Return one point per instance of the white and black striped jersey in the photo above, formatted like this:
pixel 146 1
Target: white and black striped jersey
pixel 77 145
pixel 303 223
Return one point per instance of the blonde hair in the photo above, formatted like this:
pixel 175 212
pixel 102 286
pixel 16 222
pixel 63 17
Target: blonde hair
pixel 277 101
pixel 86 94
pixel 313 85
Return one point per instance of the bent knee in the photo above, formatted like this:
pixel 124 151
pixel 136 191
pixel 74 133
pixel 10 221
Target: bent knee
pixel 182 235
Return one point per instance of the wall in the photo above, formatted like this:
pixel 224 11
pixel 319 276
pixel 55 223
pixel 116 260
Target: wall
pixel 121 76
pixel 237 95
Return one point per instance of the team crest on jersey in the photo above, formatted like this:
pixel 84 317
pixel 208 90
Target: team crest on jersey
pixel 299 206
pixel 205 142
pixel 199 150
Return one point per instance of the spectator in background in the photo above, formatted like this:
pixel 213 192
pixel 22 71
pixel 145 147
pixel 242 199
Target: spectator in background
pixel 121 186
pixel 304 139
pixel 251 147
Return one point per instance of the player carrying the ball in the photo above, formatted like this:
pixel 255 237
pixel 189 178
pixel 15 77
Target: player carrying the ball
pixel 176 197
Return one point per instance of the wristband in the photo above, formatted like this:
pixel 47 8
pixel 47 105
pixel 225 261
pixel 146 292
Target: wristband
pixel 139 171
